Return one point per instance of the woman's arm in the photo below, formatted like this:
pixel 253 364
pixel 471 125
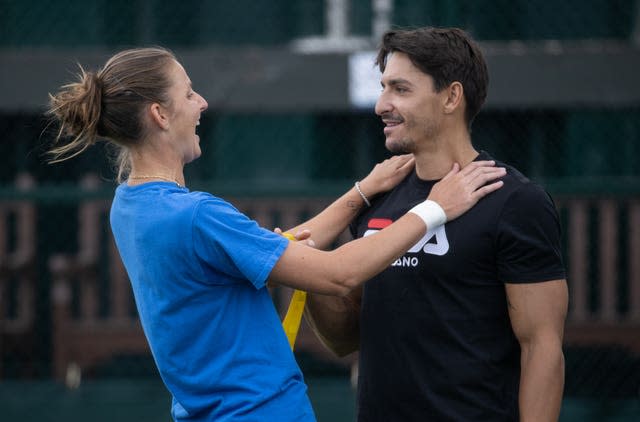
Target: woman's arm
pixel 337 272
pixel 333 220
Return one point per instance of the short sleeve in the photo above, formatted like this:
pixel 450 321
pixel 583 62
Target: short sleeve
pixel 528 238
pixel 231 243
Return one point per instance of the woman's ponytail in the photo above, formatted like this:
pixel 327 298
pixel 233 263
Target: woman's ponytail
pixel 77 108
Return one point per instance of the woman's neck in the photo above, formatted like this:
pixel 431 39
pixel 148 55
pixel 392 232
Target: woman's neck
pixel 148 167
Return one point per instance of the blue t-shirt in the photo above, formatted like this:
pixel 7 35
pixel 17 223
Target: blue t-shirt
pixel 198 269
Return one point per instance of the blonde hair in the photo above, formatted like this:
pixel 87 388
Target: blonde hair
pixel 108 104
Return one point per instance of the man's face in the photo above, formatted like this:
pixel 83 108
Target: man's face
pixel 408 105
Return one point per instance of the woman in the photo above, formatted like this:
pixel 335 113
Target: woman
pixel 198 267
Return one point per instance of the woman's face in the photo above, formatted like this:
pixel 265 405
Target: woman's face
pixel 185 110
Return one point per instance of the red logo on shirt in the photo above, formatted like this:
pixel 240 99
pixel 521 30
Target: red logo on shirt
pixel 434 242
pixel 379 223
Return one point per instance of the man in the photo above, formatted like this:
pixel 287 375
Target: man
pixel 468 324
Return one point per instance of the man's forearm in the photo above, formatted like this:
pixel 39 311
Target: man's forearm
pixel 541 382
pixel 335 320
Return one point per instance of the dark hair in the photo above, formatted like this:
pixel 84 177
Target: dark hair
pixel 108 103
pixel 447 55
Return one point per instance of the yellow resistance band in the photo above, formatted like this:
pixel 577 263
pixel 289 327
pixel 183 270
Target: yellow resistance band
pixel 293 317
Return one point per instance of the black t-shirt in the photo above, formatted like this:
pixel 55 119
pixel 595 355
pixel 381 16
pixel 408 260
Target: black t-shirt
pixel 436 342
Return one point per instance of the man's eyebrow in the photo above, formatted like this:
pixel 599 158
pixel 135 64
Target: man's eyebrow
pixel 396 81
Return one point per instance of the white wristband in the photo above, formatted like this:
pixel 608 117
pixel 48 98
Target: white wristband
pixel 431 213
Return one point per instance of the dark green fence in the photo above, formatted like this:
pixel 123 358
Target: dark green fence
pixel 588 153
pixel 76 23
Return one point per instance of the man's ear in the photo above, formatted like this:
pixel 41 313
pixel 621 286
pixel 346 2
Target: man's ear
pixel 454 98
pixel 159 115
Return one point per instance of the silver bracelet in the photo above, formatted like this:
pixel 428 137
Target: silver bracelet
pixel 362 195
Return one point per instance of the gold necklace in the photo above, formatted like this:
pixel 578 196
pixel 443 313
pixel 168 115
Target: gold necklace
pixel 151 176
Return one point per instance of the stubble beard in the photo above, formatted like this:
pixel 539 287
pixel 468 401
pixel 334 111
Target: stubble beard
pixel 400 146
pixel 407 145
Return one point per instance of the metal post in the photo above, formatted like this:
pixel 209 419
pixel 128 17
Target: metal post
pixel 337 15
pixel 635 33
pixel 381 20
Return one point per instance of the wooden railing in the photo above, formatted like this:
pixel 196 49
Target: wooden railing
pixel 18 242
pixel 85 337
pixel 603 253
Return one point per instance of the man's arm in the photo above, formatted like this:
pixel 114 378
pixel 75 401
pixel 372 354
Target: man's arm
pixel 538 312
pixel 336 320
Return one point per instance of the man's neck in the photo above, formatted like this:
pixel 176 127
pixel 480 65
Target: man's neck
pixel 435 158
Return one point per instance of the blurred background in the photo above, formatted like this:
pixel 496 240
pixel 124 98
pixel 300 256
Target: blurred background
pixel 290 125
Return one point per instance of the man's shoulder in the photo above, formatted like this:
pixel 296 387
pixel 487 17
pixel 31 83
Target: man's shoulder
pixel 519 188
pixel 521 197
pixel 514 176
pixel 517 184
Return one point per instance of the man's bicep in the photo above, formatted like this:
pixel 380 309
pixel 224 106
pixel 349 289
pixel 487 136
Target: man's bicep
pixel 537 309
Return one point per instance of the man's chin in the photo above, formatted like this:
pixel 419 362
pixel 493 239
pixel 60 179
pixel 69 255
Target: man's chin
pixel 397 147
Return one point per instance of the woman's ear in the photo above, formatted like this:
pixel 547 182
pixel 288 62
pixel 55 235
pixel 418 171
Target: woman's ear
pixel 455 97
pixel 159 115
